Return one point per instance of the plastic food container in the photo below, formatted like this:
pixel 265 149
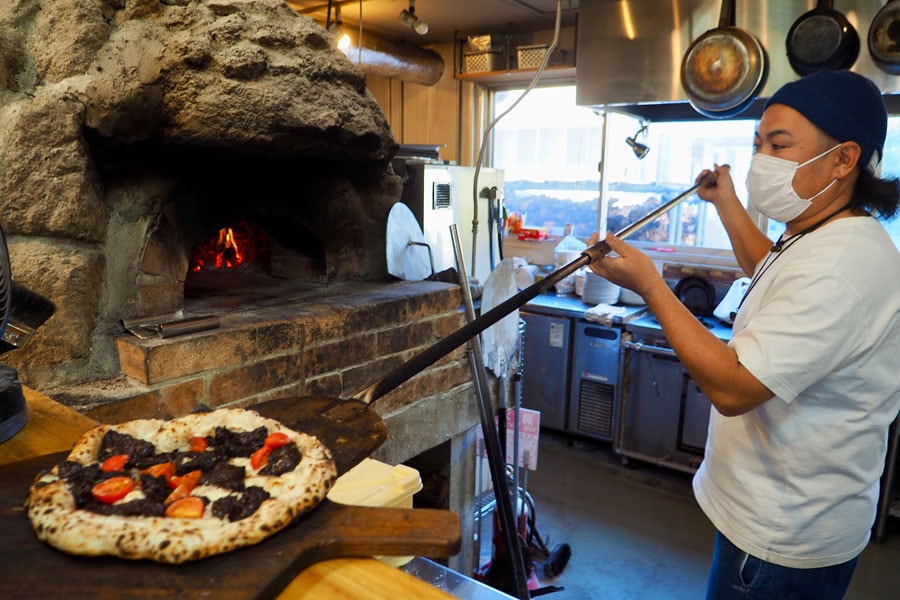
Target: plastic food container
pixel 374 483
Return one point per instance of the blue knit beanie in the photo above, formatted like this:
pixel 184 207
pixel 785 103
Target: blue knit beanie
pixel 843 104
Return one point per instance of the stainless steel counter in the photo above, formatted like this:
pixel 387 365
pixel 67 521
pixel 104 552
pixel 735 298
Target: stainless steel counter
pixel 572 306
pixel 452 582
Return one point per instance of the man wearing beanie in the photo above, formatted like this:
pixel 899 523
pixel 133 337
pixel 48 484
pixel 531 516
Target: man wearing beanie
pixel 804 393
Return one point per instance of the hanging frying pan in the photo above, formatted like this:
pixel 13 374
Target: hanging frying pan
pixel 822 38
pixel 724 69
pixel 884 38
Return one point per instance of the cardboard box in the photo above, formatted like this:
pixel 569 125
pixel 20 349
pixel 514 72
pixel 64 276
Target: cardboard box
pixel 374 483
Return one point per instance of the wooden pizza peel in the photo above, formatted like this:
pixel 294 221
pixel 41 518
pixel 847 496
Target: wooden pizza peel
pixel 30 568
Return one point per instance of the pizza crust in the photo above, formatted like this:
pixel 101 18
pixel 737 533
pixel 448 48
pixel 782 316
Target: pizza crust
pixel 56 519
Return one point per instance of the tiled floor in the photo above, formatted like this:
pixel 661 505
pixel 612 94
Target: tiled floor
pixel 637 533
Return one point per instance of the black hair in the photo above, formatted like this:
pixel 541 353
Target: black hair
pixel 875 195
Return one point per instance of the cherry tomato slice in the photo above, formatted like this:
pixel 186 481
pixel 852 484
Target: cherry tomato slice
pixel 188 479
pixel 259 458
pixel 114 463
pixel 276 440
pixel 186 508
pixel 197 444
pixel 112 489
pixel 166 469
pixel 179 493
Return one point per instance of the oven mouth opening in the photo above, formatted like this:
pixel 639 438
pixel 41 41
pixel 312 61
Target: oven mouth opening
pixel 243 265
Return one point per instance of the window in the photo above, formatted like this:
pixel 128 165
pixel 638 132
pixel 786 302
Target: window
pixel 679 151
pixel 890 167
pixel 551 151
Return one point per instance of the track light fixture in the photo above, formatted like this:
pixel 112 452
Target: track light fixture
pixel 337 30
pixel 409 18
pixel 640 150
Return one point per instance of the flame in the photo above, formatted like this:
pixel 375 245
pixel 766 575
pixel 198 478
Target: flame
pixel 229 248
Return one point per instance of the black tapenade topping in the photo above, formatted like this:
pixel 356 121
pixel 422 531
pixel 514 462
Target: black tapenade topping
pixel 282 460
pixel 156 489
pixel 114 443
pixel 226 476
pixel 239 443
pixel 135 508
pixel 237 507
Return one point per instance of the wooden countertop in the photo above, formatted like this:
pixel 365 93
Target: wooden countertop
pixel 54 427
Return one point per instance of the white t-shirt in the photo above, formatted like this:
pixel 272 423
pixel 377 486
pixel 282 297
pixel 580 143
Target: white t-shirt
pixel 795 481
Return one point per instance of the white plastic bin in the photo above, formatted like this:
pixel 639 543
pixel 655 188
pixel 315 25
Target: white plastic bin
pixel 374 483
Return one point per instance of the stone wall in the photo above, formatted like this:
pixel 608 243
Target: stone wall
pixel 106 106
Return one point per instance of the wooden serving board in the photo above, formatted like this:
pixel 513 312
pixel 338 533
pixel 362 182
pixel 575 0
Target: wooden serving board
pixel 29 568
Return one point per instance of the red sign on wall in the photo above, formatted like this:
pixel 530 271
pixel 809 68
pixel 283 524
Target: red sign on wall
pixel 529 434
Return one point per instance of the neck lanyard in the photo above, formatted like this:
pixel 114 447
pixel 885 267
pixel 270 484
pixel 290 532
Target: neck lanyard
pixel 776 251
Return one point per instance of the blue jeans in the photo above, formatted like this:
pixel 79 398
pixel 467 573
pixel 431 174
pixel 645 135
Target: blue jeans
pixel 735 575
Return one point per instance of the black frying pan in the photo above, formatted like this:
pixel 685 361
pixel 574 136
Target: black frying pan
pixel 884 38
pixel 822 38
pixel 724 69
pixel 697 294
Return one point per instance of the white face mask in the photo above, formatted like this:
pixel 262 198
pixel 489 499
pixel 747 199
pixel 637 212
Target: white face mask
pixel 771 186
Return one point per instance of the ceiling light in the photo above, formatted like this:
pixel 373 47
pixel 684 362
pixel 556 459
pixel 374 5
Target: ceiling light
pixel 409 18
pixel 337 32
pixel 640 150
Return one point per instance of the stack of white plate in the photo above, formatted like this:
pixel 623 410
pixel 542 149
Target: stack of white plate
pixel 597 290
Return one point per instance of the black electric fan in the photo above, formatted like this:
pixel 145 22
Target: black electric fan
pixel 13 412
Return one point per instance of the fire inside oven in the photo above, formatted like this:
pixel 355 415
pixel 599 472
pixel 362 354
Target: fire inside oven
pixel 242 246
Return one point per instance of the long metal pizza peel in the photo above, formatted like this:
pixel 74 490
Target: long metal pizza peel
pixel 353 431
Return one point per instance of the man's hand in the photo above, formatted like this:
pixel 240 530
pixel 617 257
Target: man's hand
pixel 721 189
pixel 625 266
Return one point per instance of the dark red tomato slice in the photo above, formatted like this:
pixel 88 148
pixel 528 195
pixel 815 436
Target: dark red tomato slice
pixel 114 463
pixel 179 493
pixel 186 508
pixel 276 440
pixel 259 458
pixel 189 480
pixel 166 469
pixel 112 489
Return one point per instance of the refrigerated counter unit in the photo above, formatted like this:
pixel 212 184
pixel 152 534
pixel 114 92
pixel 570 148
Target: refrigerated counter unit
pixel 545 368
pixel 593 397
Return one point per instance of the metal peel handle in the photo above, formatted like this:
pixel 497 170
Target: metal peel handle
pixel 601 249
pixel 441 348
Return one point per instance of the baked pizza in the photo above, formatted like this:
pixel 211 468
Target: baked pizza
pixel 179 490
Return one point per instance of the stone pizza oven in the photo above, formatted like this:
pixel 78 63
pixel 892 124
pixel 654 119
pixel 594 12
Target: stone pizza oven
pixel 132 132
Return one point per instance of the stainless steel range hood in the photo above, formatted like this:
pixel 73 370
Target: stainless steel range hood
pixel 629 51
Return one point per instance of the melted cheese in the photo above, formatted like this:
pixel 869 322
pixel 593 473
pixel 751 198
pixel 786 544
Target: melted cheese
pixel 211 492
pixel 135 494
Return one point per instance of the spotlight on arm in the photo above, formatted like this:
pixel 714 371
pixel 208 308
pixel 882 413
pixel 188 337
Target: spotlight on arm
pixel 409 18
pixel 640 150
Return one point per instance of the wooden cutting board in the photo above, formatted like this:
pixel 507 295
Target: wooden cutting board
pixel 29 568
